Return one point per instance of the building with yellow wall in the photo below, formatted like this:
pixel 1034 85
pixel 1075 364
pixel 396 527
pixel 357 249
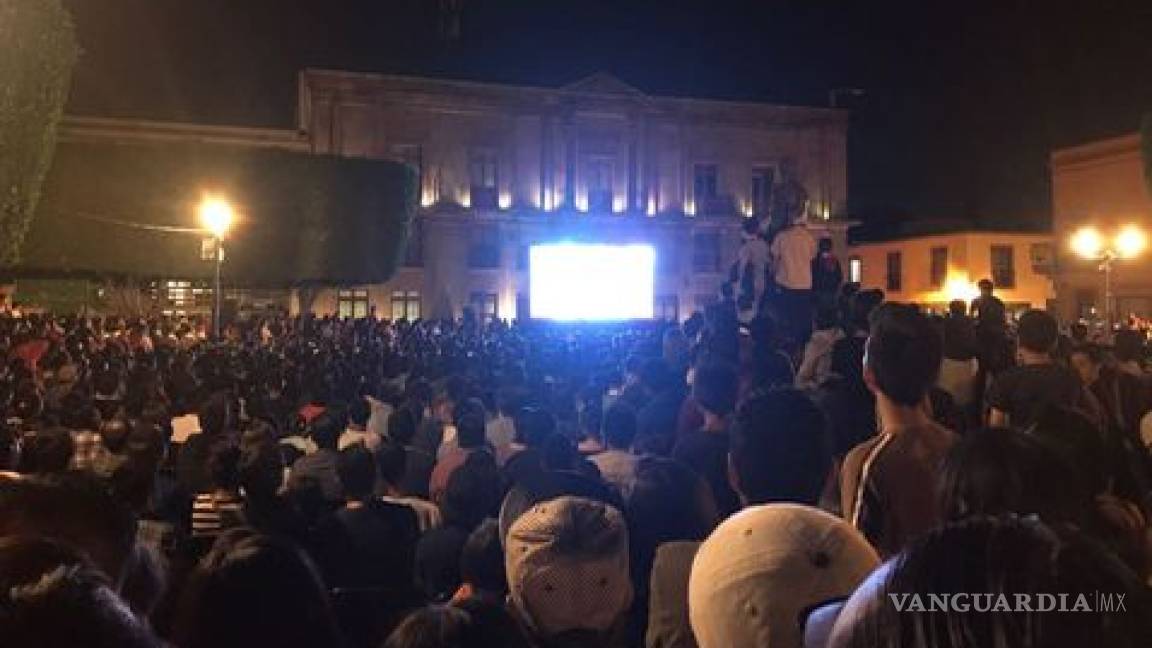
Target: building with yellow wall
pixel 934 269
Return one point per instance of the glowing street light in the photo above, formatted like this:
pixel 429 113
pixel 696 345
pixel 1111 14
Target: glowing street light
pixel 1089 243
pixel 216 216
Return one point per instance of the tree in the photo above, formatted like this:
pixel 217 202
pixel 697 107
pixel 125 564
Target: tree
pixel 39 50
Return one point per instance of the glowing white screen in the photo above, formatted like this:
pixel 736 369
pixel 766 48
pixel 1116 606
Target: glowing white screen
pixel 574 282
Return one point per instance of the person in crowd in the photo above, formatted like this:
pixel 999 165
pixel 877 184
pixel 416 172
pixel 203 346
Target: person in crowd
pixel 827 274
pixel 359 411
pixel 474 493
pixel 318 469
pixel 751 271
pixel 470 422
pixel 469 624
pixel 656 420
pixel 418 463
pixel 792 252
pixel 220 507
pixel 886 482
pixel 1131 350
pixel 79 416
pixel 482 573
pixel 997 571
pixel 670 509
pixel 960 367
pixel 261 479
pixel 706 450
pixel 255 590
pixel 816 365
pixel 1018 395
pixel 534 426
pixel 1123 397
pixel 500 429
pixel 568 576
pixel 47 452
pixel 991 331
pixel 53 596
pixel 617 464
pixel 367 542
pixel 760 569
pixel 216 423
pixel 390 461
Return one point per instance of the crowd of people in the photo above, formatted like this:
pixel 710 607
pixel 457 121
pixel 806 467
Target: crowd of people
pixel 725 481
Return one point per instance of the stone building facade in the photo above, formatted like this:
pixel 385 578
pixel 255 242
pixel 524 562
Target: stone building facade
pixel 1101 184
pixel 505 167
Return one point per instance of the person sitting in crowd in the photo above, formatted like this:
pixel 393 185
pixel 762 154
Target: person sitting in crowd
pixel 220 507
pixel 886 482
pixel 391 458
pixel 470 422
pixel 816 366
pixel 318 470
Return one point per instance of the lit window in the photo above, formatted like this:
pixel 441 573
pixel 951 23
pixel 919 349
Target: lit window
pixel 352 302
pixel 855 270
pixel 405 305
pixel 938 267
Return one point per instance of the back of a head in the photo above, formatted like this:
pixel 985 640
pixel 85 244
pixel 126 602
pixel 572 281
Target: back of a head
pixel 224 466
pixel 1009 565
pixel 715 386
pixel 779 449
pixel 482 560
pixel 759 569
pixel 619 426
pixel 903 353
pixel 326 428
pixel 261 468
pixel 215 414
pixel 47 452
pixel 1000 471
pixel 54 597
pixel 75 509
pixel 957 307
pixel 534 426
pixel 255 590
pixel 402 425
pixel 391 460
pixel 357 470
pixel 1037 331
pixel 1076 438
pixel 359 411
pixel 468 624
pixel 567 563
pixel 668 502
pixel 1129 346
pixel 470 421
pixel 473 492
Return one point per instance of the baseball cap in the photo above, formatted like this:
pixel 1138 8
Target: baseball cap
pixel 567 563
pixel 759 569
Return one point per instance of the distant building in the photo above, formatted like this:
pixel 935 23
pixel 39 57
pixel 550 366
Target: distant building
pixel 1100 183
pixel 504 167
pixel 934 269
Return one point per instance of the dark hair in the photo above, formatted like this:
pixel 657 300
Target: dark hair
pixel 1037 331
pixel 224 466
pixel 327 427
pixel 391 460
pixel 779 449
pixel 957 307
pixel 985 284
pixel 715 386
pixel 9 447
pixel 1078 331
pixel 357 470
pixel 1129 345
pixel 255 590
pixel 904 351
pixel 999 471
pixel 619 426
pixel 402 425
pixel 993 557
pixel 469 418
pixel 473 492
pixel 54 597
pixel 215 414
pixel 261 468
pixel 1091 351
pixel 433 626
pixel 482 559
pixel 76 509
pixel 47 452
pixel 533 426
pixel 668 502
pixel 359 411
pixel 824 244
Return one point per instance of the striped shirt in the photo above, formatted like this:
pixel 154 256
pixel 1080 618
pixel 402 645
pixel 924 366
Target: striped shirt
pixel 213 513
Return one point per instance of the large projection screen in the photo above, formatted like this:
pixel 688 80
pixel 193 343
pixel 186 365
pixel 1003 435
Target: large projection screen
pixel 573 282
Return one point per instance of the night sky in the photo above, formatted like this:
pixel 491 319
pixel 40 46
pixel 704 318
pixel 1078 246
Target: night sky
pixel 964 100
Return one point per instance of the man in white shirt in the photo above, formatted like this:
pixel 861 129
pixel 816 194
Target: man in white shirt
pixel 791 255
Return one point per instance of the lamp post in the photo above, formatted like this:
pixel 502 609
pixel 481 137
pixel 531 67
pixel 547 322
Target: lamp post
pixel 216 216
pixel 1089 243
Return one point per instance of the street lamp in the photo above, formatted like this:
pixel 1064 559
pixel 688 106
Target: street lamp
pixel 216 216
pixel 1089 243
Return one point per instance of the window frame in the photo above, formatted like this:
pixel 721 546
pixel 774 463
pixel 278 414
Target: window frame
pixel 1001 280
pixel 349 299
pixel 894 271
pixel 937 266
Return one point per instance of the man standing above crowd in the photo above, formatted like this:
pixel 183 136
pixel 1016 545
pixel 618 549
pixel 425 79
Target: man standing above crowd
pixel 791 255
pixel 751 272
